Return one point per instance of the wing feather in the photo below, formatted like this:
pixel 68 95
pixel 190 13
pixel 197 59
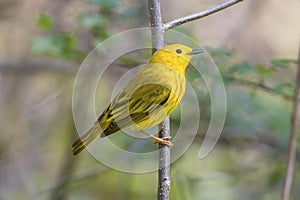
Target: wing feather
pixel 130 112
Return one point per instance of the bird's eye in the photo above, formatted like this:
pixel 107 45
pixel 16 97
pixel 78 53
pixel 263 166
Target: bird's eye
pixel 178 51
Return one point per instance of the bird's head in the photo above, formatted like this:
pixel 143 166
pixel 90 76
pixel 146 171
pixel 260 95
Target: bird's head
pixel 176 56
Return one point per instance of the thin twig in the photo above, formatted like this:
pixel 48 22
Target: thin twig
pixel 293 139
pixel 199 15
pixel 36 65
pixel 260 86
pixel 164 181
pixel 89 173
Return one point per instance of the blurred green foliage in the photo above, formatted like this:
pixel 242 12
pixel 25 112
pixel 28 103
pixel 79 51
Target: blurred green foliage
pixel 61 45
pixel 44 21
pixel 107 6
pixel 97 24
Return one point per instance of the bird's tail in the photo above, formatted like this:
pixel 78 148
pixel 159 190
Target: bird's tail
pixel 81 142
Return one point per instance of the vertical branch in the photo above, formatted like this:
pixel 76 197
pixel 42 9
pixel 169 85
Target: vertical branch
pixel 164 181
pixel 157 31
pixel 293 138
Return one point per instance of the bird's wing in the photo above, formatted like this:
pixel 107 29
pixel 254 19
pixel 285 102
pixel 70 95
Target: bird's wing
pixel 148 98
pixel 144 101
pixel 118 106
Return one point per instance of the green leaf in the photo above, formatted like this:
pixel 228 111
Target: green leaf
pixel 61 45
pixel 129 61
pixel 242 68
pixel 276 174
pixel 253 93
pixel 286 89
pixel 45 45
pixel 283 63
pixel 219 52
pixel 192 74
pixel 227 79
pixel 91 21
pixel 44 21
pixel 105 3
pixel 263 70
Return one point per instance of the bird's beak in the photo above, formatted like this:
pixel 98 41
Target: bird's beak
pixel 195 51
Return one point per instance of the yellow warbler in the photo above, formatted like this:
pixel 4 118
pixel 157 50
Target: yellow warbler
pixel 152 94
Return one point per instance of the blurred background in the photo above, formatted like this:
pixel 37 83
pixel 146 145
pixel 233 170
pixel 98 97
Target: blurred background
pixel 42 44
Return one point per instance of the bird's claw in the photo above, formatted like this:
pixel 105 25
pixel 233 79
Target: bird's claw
pixel 164 141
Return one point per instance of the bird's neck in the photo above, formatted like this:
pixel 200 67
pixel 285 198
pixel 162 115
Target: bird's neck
pixel 174 62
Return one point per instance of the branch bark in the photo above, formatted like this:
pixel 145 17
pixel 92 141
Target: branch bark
pixel 183 20
pixel 288 179
pixel 164 181
pixel 156 24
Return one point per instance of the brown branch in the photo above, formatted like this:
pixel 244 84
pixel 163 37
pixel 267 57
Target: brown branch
pixel 183 20
pixel 164 180
pixel 288 179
